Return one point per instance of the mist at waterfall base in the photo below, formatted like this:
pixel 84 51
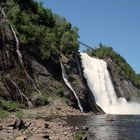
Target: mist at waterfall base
pixel 99 82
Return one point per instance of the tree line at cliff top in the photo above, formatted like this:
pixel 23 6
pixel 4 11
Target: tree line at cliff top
pixel 42 30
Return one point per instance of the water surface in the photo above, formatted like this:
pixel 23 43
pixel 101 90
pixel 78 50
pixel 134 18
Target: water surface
pixel 125 127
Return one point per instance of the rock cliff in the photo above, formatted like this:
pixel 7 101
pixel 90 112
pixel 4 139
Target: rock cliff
pixel 124 87
pixel 29 80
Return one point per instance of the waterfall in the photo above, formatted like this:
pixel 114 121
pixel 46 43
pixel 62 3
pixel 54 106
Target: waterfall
pixel 4 16
pixel 99 82
pixel 65 78
pixel 3 13
pixel 17 46
pixel 19 53
pixel 21 61
pixel 21 94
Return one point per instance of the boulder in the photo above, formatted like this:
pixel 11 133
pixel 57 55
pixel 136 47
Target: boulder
pixel 85 128
pixel 19 124
pixel 109 117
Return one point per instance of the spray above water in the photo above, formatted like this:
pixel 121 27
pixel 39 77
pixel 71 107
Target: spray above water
pixel 99 82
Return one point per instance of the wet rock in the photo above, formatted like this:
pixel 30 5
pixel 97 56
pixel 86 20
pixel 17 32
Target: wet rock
pixel 109 117
pixel 85 128
pixel 76 128
pixel 91 134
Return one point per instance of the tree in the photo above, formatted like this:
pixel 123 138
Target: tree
pixel 69 42
pixel 40 30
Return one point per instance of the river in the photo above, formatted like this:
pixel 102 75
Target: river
pixel 125 127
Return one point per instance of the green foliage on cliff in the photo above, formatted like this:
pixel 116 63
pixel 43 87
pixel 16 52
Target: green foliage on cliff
pixel 122 67
pixel 41 30
pixel 8 105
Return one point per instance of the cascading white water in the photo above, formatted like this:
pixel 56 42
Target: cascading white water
pixel 99 82
pixel 22 95
pixel 21 61
pixel 65 78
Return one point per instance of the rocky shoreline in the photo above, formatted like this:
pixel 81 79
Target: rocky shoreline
pixel 47 122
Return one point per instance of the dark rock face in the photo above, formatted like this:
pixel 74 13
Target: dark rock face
pixel 74 70
pixel 8 60
pixel 124 87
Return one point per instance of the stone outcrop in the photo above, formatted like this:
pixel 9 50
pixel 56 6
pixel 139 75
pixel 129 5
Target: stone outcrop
pixel 124 87
pixel 74 70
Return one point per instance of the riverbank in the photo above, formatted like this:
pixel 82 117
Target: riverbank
pixel 47 122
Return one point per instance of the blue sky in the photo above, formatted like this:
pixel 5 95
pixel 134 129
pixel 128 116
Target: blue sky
pixel 115 23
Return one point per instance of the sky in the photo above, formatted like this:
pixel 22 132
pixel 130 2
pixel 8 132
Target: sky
pixel 115 23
